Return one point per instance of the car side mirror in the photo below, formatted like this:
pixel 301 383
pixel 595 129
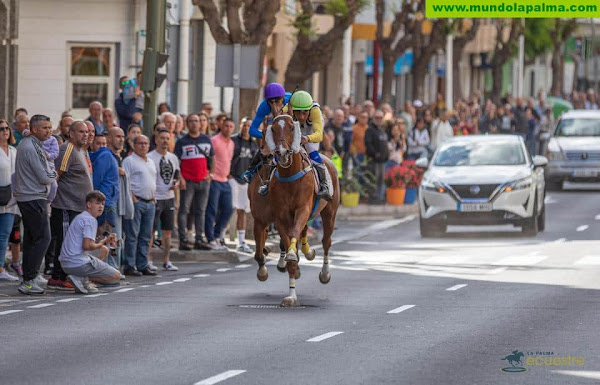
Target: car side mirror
pixel 539 161
pixel 422 162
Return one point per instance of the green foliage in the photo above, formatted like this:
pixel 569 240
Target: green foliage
pixel 303 24
pixel 336 8
pixel 537 37
pixel 358 180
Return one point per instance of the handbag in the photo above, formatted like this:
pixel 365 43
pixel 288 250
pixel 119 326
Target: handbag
pixel 5 195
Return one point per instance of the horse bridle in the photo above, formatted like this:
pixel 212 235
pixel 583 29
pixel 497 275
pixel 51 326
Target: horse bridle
pixel 283 141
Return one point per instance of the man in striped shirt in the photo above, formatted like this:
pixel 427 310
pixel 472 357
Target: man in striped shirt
pixel 74 182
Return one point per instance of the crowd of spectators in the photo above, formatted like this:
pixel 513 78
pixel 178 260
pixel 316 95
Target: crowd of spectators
pixel 93 197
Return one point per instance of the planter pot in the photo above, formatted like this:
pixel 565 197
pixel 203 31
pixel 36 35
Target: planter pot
pixel 411 195
pixel 395 196
pixel 350 199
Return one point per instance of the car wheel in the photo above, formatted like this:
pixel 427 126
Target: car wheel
pixel 541 220
pixel 530 225
pixel 554 186
pixel 430 228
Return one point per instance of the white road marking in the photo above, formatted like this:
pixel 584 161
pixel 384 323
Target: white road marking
pixel 520 260
pixel 224 269
pixel 549 200
pixel 8 300
pixel 242 266
pixel 589 260
pixel 446 260
pixel 272 262
pixel 41 305
pixel 324 336
pixel 96 295
pixel 124 290
pixel 597 217
pixel 30 301
pixel 201 275
pixel 371 229
pixel 10 312
pixel 220 377
pixel 561 240
pixel 594 375
pixel 456 287
pixel 400 309
pixel 582 228
pixel 181 279
pixel 163 283
pixel 144 286
pixel 68 300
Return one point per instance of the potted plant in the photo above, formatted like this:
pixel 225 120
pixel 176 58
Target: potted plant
pixel 414 175
pixel 355 182
pixel 395 181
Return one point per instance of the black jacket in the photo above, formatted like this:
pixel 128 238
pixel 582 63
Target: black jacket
pixel 243 153
pixel 376 141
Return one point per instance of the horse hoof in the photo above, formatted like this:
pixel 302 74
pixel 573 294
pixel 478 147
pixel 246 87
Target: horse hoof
pixel 266 251
pixel 298 273
pixel 324 278
pixel 291 256
pixel 262 274
pixel 290 302
pixel 310 255
pixel 281 269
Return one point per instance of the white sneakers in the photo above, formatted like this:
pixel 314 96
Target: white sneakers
pixel 7 277
pixel 217 246
pixel 244 248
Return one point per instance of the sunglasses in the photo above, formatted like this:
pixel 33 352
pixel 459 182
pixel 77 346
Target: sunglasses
pixel 126 83
pixel 4 128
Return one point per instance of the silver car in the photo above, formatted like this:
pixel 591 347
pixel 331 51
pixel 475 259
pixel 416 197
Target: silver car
pixel 573 150
pixel 482 180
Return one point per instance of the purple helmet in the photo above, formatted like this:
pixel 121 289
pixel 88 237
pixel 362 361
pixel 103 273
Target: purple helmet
pixel 274 90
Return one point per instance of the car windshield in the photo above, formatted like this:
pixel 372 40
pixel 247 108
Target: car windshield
pixel 578 127
pixel 488 153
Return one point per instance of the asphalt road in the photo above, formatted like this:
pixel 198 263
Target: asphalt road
pixel 398 310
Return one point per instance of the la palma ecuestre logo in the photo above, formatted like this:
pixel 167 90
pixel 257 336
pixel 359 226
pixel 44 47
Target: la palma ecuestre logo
pixel 515 361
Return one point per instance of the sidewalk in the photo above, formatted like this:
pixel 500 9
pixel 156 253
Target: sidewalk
pixel 376 212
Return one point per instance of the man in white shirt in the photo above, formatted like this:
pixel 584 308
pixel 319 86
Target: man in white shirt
pixel 138 231
pixel 167 178
pixel 441 130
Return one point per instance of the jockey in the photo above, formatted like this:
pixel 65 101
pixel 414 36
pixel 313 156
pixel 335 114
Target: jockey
pixel 275 99
pixel 308 114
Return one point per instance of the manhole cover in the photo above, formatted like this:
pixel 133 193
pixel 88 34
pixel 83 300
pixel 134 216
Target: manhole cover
pixel 269 307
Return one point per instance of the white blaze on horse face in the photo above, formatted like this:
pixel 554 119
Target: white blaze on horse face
pixel 281 123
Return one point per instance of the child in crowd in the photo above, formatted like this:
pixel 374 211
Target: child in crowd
pixel 80 240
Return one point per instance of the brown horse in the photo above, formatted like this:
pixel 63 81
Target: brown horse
pixel 291 202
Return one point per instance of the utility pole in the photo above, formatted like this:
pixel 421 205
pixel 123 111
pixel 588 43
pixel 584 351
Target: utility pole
pixel 449 69
pixel 155 44
pixel 594 56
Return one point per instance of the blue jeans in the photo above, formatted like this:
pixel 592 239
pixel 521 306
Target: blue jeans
pixel 218 209
pixel 137 235
pixel 6 224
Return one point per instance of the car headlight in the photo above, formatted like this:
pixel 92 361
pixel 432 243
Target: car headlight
pixel 433 186
pixel 521 184
pixel 554 152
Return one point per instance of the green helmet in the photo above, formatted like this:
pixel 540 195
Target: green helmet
pixel 301 101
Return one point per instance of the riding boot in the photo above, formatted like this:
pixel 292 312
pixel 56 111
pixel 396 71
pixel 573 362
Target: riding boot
pixel 326 190
pixel 252 168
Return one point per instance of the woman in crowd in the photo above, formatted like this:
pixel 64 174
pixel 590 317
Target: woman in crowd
pixel 8 207
pixel 132 132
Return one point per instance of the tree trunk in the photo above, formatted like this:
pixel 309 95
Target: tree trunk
pixel 388 77
pixel 556 73
pixel 497 78
pixel 418 84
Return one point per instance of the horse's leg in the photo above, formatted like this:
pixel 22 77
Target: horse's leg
pixel 328 216
pixel 259 237
pixel 309 253
pixel 281 263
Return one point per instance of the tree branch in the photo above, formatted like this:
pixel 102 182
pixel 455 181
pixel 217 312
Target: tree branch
pixel 211 16
pixel 233 21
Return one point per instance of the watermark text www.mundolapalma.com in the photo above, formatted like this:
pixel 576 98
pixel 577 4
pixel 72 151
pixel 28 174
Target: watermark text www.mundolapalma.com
pixel 512 8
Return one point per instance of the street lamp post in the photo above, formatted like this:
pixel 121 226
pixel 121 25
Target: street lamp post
pixel 521 60
pixel 449 70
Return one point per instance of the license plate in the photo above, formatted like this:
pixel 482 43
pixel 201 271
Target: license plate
pixel 474 207
pixel 585 173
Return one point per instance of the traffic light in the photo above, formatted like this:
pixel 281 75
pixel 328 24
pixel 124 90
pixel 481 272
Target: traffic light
pixel 153 61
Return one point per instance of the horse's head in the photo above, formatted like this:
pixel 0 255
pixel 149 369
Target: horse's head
pixel 283 138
